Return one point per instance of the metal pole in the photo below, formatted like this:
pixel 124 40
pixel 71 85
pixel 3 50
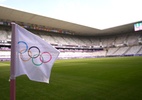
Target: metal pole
pixel 13 63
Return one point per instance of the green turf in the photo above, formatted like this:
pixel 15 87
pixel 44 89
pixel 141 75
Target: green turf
pixel 81 79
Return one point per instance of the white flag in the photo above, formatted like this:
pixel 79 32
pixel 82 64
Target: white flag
pixel 34 56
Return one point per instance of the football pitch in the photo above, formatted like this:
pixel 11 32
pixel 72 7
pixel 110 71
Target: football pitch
pixel 81 79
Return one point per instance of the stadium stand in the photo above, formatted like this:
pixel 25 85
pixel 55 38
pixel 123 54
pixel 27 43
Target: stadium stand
pixel 83 47
pixel 139 52
pixel 132 39
pixel 86 41
pixel 133 50
pixel 95 41
pixel 120 40
pixel 3 35
pixel 4 54
pixel 107 41
pixel 121 51
pixel 111 51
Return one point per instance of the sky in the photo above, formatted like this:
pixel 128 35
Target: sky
pixel 100 14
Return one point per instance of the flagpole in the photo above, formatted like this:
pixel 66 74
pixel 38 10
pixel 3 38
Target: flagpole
pixel 13 63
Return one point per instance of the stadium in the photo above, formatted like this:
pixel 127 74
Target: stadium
pixel 75 42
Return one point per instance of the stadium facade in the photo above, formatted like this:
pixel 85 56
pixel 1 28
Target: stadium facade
pixel 72 40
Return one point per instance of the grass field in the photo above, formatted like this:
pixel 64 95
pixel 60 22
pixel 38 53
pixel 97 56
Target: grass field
pixel 81 79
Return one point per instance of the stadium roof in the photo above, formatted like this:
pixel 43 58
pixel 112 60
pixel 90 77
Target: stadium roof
pixel 21 16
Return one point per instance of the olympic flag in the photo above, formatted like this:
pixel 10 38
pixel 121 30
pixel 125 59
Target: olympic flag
pixel 30 55
pixel 34 56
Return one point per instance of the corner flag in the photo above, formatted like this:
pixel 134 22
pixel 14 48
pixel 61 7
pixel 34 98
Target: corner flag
pixel 30 55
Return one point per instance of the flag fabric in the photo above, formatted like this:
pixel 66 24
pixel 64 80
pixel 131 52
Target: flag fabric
pixel 34 56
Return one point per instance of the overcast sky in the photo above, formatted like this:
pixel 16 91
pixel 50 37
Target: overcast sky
pixel 99 14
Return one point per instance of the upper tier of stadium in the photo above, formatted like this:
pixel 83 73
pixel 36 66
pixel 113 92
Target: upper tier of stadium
pixel 21 16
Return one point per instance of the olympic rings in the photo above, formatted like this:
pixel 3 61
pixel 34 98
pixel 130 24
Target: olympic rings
pixel 35 56
pixel 36 63
pixel 22 57
pixel 33 53
pixel 47 53
pixel 25 45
